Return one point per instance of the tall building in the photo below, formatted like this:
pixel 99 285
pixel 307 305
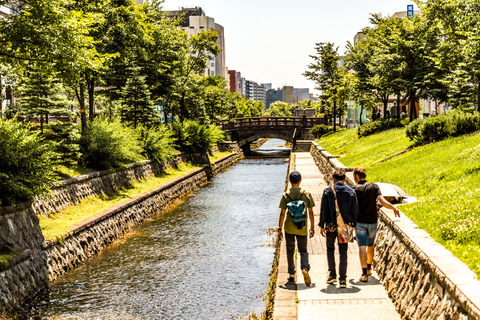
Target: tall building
pixel 255 91
pixel 196 21
pixel 287 94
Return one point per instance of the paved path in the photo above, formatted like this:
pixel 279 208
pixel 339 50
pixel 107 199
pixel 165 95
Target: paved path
pixel 321 301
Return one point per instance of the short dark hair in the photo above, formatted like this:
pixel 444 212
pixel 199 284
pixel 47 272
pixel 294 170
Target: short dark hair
pixel 295 177
pixel 360 172
pixel 339 175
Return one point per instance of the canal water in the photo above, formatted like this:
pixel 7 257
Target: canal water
pixel 208 258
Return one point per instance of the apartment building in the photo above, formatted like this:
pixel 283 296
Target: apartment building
pixel 196 21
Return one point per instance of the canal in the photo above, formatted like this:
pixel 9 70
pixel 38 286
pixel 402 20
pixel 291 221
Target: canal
pixel 208 258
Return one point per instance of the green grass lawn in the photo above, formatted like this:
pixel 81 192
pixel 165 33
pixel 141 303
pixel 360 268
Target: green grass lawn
pixel 57 225
pixel 366 150
pixel 218 155
pixel 444 176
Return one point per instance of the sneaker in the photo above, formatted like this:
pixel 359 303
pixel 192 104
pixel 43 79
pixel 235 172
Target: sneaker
pixel 364 278
pixel 306 277
pixel 369 272
pixel 343 283
pixel 331 280
pixel 291 277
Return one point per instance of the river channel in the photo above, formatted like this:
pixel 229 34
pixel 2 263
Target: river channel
pixel 208 258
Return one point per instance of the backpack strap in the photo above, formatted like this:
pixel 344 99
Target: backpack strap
pixel 301 196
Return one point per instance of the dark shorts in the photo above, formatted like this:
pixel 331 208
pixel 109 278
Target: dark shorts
pixel 366 233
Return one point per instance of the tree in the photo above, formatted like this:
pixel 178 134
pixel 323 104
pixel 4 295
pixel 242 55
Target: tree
pixel 42 96
pixel 325 72
pixel 135 104
pixel 279 109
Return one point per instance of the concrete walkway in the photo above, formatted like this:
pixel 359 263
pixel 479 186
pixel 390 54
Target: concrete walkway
pixel 321 301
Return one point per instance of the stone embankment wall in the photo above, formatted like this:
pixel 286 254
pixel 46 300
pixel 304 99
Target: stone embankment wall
pixel 39 261
pixel 27 271
pixel 423 279
pixel 258 143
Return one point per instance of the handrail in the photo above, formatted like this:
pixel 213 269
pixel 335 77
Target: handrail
pixel 272 122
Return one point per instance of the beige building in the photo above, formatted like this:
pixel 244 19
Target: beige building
pixel 195 22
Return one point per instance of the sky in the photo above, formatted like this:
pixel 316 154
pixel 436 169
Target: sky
pixel 269 41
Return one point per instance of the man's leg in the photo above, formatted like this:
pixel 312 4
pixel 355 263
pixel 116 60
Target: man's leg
pixel 290 243
pixel 343 248
pixel 305 266
pixel 331 238
pixel 302 249
pixel 372 233
pixel 361 231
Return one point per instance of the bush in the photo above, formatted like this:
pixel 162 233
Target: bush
pixel 107 144
pixel 370 128
pixel 157 142
pixel 319 130
pixel 192 137
pixel 450 124
pixel 26 165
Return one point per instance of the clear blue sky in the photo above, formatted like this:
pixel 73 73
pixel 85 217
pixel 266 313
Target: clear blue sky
pixel 269 41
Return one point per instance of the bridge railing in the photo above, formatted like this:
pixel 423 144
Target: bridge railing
pixel 271 122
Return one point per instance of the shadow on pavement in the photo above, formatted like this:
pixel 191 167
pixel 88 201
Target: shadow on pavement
pixel 289 286
pixel 332 289
pixel 372 281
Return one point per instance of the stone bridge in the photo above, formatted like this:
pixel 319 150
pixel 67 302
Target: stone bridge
pixel 290 129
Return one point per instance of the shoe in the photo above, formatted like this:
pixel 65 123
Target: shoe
pixel 369 272
pixel 331 280
pixel 364 278
pixel 291 277
pixel 343 283
pixel 306 277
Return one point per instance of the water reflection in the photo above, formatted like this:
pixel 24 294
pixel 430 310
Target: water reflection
pixel 273 147
pixel 205 259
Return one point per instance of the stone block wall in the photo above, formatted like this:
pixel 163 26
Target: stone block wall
pixel 26 272
pixel 423 279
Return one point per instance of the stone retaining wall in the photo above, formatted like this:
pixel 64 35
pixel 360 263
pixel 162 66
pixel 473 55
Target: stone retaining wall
pixel 40 261
pixel 423 279
pixel 26 272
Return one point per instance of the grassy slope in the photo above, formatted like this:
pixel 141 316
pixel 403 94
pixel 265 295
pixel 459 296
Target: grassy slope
pixel 444 177
pixel 55 226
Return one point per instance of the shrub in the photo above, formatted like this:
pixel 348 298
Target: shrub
pixel 26 165
pixel 192 137
pixel 157 142
pixel 107 144
pixel 450 124
pixel 320 130
pixel 412 130
pixel 378 126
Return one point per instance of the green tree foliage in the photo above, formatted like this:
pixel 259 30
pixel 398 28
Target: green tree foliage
pixel 27 166
pixel 280 109
pixel 42 96
pixel 157 142
pixel 319 130
pixel 107 144
pixel 326 73
pixel 136 106
pixel 192 137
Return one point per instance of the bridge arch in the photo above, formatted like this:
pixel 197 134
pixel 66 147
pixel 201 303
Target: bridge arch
pixel 271 135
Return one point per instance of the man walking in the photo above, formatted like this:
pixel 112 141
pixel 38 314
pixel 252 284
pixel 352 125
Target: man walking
pixel 346 199
pixel 296 230
pixel 366 228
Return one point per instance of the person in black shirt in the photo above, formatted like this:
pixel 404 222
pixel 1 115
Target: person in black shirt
pixel 366 228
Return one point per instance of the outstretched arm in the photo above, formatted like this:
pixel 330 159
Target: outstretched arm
pixel 312 222
pixel 388 205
